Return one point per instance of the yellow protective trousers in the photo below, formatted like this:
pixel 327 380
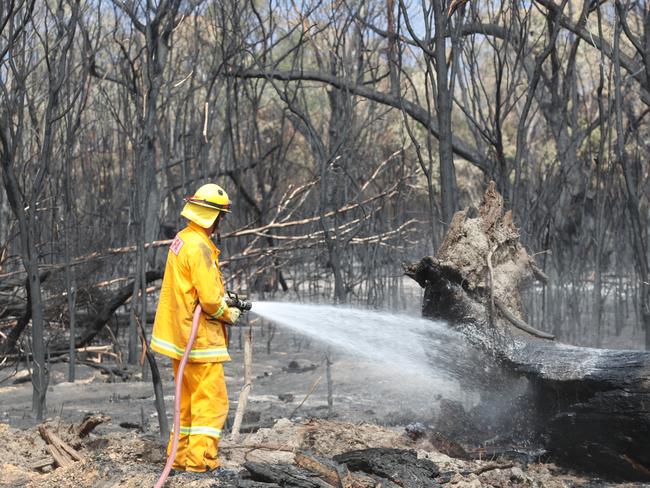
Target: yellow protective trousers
pixel 204 408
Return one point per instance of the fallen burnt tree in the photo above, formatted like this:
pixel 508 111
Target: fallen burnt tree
pixel 591 407
pixel 91 326
pixel 90 322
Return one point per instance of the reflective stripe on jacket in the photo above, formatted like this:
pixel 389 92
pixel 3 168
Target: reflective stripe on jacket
pixel 192 276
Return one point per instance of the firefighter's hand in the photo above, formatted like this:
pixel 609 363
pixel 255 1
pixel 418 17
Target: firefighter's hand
pixel 234 315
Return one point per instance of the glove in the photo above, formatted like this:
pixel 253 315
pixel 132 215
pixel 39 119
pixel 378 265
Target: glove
pixel 234 315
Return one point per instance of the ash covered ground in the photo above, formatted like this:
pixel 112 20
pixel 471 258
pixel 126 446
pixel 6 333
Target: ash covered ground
pixel 372 406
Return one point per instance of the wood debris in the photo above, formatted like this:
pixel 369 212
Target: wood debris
pixel 42 463
pixel 333 473
pixel 64 455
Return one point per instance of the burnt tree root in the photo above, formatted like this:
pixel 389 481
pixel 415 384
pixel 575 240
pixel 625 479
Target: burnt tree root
pixel 591 406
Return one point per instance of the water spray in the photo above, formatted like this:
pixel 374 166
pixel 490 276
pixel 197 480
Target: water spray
pixel 425 356
pixel 232 300
pixel 406 364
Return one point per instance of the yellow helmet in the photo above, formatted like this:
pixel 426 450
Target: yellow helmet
pixel 205 205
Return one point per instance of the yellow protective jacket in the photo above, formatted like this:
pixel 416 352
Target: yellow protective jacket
pixel 192 276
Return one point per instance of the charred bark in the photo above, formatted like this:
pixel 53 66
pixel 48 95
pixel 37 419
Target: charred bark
pixel 284 475
pixel 365 468
pixel 396 465
pixel 590 405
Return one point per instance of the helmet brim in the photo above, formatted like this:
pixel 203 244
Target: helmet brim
pixel 200 215
pixel 202 202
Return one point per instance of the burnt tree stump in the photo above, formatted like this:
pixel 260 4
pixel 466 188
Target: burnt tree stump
pixel 592 406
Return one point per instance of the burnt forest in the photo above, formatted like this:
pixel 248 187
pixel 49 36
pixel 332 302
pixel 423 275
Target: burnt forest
pixel 430 243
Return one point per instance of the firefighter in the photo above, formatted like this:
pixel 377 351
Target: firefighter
pixel 192 277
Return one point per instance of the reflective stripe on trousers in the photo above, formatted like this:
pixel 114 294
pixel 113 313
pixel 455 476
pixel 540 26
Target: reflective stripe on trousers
pixel 199 430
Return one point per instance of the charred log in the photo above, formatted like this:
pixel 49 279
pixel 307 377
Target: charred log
pixel 399 466
pixel 590 405
pixel 366 468
pixel 254 484
pixel 285 475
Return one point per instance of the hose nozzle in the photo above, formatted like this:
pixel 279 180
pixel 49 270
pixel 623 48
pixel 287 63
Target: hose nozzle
pixel 242 304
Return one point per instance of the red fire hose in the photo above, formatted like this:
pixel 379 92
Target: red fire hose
pixel 177 398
